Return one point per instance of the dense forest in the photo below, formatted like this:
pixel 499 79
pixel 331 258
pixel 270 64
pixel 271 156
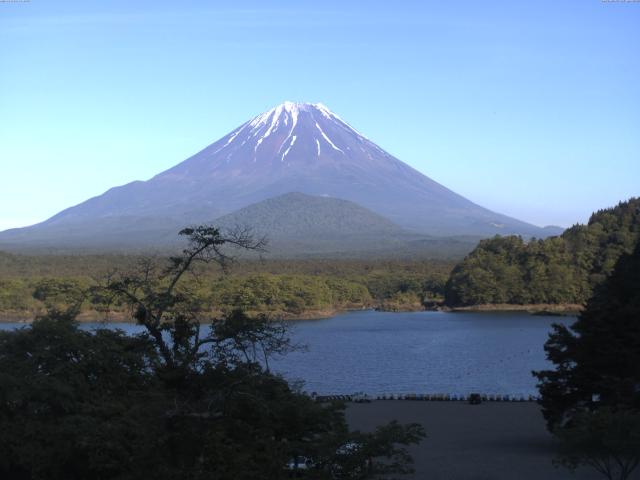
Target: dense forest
pixel 502 270
pixel 293 289
pixel 557 270
pixel 176 400
pixel 590 397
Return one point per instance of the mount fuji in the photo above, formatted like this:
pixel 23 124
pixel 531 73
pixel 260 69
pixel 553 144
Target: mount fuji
pixel 293 147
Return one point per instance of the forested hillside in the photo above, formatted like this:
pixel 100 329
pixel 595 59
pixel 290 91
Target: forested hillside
pixel 293 289
pixel 311 226
pixel 556 270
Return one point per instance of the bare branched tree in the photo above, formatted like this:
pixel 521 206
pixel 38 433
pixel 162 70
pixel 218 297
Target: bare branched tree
pixel 168 309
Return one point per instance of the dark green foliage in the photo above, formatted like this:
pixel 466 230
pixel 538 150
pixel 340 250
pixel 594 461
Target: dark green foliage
pixel 591 401
pixel 178 401
pixel 60 295
pixel 74 404
pixel 287 288
pixel 77 405
pixel 606 440
pixel 287 293
pixel 16 295
pixel 557 270
pixel 600 354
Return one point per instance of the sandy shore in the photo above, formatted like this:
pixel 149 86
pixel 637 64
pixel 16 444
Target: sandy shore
pixel 492 441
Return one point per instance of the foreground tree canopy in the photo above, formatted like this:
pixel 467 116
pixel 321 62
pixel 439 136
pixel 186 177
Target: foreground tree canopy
pixel 562 269
pixel 181 400
pixel 597 359
pixel 591 400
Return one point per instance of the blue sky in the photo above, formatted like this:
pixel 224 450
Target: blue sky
pixel 531 109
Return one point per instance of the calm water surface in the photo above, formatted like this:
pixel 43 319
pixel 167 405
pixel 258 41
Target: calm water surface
pixel 421 352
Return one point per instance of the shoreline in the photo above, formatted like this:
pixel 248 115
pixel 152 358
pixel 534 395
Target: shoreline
pixel 534 308
pixel 26 317
pixel 20 316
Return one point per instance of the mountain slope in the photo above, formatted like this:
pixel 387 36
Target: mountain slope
pixel 292 147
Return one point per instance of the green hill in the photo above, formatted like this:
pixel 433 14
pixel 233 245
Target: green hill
pixel 300 225
pixel 561 269
pixel 296 215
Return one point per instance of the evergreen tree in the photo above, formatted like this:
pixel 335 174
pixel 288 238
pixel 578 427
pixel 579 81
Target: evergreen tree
pixel 181 400
pixel 597 359
pixel 556 270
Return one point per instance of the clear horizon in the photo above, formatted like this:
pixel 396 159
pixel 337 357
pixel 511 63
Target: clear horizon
pixel 530 110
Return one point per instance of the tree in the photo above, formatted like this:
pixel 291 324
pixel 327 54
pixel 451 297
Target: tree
pixel 598 357
pixel 167 309
pixel 75 404
pixel 556 270
pixel 181 400
pixel 606 440
pixel 591 400
pixel 63 296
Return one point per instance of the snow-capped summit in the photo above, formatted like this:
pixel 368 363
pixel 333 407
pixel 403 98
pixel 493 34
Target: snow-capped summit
pixel 294 140
pixel 291 110
pixel 285 125
pixel 293 147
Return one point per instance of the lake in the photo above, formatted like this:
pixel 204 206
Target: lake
pixel 418 352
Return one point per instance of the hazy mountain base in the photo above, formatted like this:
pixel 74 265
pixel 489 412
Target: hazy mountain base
pixel 347 248
pixel 296 226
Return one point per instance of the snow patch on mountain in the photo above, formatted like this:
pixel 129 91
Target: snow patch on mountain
pixel 287 150
pixel 324 135
pixel 286 116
